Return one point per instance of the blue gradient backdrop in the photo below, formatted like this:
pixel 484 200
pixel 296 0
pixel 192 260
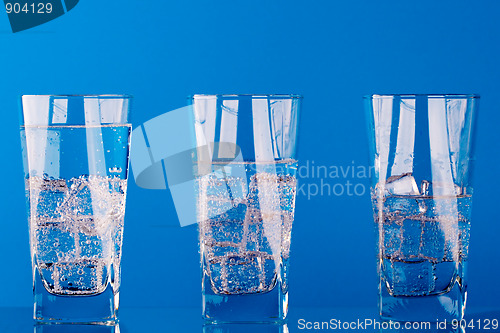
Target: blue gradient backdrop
pixel 332 52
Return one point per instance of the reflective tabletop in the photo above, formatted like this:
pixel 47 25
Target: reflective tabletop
pixel 141 319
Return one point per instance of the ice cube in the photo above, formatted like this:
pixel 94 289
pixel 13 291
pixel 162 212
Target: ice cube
pixel 403 184
pixel 397 208
pixel 221 195
pixel 392 239
pixel 226 227
pixel 244 273
pixel 410 243
pixel 77 199
pixel 444 275
pixel 412 278
pixel 433 241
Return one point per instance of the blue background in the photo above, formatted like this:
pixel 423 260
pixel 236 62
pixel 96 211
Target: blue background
pixel 331 52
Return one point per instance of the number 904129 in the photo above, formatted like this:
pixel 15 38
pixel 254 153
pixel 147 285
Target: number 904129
pixel 34 8
pixel 477 324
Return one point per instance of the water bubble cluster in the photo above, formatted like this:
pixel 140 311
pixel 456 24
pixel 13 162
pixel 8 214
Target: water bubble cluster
pixel 76 232
pixel 423 242
pixel 245 229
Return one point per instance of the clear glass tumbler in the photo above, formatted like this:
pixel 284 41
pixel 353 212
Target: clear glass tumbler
pixel 421 151
pixel 75 153
pixel 246 166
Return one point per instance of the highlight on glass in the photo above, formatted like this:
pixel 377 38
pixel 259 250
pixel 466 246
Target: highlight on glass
pixel 422 152
pixel 246 166
pixel 75 152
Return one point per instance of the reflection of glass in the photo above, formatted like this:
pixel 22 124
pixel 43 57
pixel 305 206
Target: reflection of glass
pixel 74 328
pixel 245 328
pixel 246 201
pixel 421 193
pixel 75 151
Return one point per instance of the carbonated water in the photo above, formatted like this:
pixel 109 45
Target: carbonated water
pixel 75 189
pixel 423 248
pixel 246 226
pixel 76 231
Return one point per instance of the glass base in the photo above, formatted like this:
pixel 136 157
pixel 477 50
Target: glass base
pixel 268 307
pixel 445 307
pixel 100 309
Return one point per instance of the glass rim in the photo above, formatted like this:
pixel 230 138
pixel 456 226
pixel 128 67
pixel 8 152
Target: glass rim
pixel 254 96
pixel 98 96
pixel 414 96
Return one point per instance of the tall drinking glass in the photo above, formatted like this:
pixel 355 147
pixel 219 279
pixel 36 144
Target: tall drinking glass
pixel 421 149
pixel 75 153
pixel 246 200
